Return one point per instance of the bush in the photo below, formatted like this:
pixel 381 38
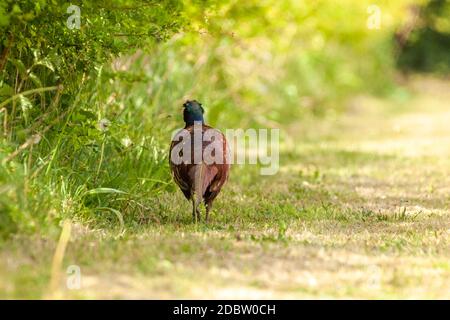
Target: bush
pixel 424 43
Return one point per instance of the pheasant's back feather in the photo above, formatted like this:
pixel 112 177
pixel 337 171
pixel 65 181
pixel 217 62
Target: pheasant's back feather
pixel 202 180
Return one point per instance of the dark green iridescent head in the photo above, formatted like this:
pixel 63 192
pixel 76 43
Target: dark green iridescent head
pixel 193 111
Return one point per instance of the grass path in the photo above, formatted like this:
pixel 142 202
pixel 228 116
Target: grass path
pixel 359 209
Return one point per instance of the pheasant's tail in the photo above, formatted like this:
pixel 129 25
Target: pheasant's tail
pixel 199 182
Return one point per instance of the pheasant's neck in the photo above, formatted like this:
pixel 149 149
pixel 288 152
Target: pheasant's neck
pixel 191 120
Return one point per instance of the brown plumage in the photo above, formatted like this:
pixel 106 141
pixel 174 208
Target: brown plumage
pixel 200 180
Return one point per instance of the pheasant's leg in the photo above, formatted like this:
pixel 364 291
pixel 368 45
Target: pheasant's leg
pixel 194 210
pixel 208 207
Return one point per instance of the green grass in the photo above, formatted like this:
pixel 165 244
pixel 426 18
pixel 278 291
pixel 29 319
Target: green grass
pixel 348 216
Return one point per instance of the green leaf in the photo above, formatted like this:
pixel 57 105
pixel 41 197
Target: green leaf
pixel 20 66
pixel 16 9
pixel 88 114
pixel 35 79
pixel 36 55
pixel 105 190
pixel 46 63
pixel 6 91
pixel 25 103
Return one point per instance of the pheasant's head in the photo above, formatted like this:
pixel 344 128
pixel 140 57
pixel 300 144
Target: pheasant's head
pixel 193 111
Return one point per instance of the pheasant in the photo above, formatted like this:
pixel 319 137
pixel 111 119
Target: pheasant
pixel 199 159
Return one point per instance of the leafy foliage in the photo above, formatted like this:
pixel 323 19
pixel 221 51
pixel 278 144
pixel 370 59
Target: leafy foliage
pixel 426 44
